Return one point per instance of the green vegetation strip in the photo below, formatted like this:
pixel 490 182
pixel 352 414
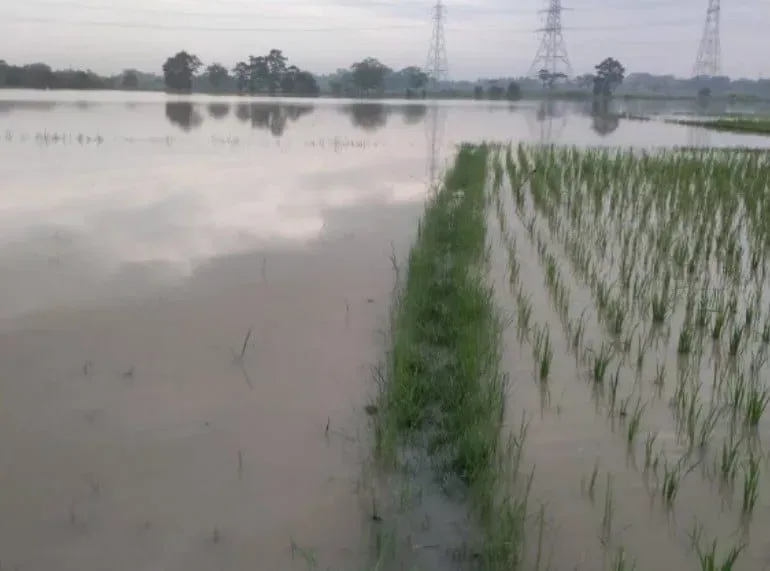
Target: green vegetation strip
pixel 760 126
pixel 443 390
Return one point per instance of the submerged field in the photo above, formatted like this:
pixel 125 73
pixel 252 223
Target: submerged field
pixel 569 341
pixel 634 277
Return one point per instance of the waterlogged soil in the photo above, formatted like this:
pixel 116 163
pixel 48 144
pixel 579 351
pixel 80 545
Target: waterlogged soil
pixel 142 239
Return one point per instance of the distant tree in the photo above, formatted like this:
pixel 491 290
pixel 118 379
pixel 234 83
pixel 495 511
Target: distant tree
pixel 241 74
pixel 305 84
pixel 585 81
pixel 179 70
pixel 217 75
pixel 478 92
pixel 704 93
pixel 183 114
pixel 369 75
pixel 609 75
pixel 258 74
pixel 549 79
pixel 3 71
pixel 416 78
pixel 495 92
pixel 335 86
pixel 513 92
pixel 38 76
pixel 129 79
pixel 275 63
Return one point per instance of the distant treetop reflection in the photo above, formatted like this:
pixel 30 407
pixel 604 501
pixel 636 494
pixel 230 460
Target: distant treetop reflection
pixel 367 116
pixel 604 120
pixel 218 110
pixel 183 114
pixel 272 116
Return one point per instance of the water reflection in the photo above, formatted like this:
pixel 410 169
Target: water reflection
pixel 548 121
pixel 367 116
pixel 272 116
pixel 414 113
pixel 10 106
pixel 183 114
pixel 604 120
pixel 218 110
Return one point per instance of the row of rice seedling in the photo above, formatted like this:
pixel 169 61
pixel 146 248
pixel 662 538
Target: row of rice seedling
pixel 626 221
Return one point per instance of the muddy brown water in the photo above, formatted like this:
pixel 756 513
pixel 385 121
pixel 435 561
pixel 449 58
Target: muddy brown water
pixel 142 237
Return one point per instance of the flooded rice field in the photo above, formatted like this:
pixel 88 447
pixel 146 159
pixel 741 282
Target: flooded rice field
pixel 194 293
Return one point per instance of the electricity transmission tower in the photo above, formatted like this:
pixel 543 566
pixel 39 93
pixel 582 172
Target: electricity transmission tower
pixel 437 66
pixel 708 61
pixel 552 52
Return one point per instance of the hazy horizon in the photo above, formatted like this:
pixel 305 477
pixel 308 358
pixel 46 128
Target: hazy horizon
pixel 484 38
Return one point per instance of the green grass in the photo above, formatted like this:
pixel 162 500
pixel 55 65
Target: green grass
pixel 759 125
pixel 442 389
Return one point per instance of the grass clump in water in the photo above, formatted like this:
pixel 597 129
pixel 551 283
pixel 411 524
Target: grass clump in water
pixel 443 389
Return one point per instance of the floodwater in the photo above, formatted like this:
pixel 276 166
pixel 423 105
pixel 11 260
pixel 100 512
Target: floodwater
pixel 192 296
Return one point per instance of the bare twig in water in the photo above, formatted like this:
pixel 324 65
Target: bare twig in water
pixel 240 463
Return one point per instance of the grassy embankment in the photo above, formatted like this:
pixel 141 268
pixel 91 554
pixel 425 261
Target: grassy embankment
pixel 759 125
pixel 442 391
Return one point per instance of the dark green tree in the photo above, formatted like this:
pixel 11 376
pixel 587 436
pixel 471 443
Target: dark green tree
pixel 179 70
pixel 217 75
pixel 416 77
pixel 495 92
pixel 241 74
pixel 478 92
pixel 275 63
pixel 513 92
pixel 549 79
pixel 369 75
pixel 609 75
pixel 129 79
pixel 258 74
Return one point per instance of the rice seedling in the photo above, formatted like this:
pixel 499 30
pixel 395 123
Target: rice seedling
pixel 524 314
pixel 686 336
pixel 735 341
pixel 710 561
pixel 750 484
pixel 729 455
pixel 672 478
pixel 621 562
pixel 649 443
pixel 543 353
pixel 634 422
pixel 592 481
pixel 609 511
pixel 600 362
pixel 757 399
pixel 719 322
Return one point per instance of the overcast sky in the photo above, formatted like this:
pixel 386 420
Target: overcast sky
pixel 484 38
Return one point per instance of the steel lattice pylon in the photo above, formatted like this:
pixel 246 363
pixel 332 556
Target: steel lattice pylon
pixel 437 66
pixel 708 61
pixel 552 51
